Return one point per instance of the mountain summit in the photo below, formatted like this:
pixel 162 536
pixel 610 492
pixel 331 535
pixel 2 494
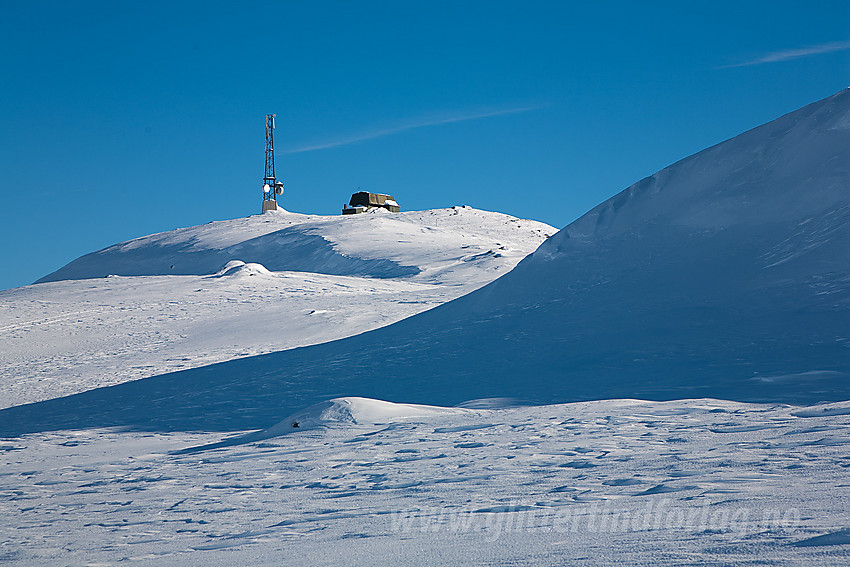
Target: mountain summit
pixel 458 246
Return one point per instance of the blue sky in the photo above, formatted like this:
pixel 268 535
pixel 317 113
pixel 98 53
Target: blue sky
pixel 121 119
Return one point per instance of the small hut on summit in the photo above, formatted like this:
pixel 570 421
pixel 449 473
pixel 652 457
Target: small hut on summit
pixel 363 201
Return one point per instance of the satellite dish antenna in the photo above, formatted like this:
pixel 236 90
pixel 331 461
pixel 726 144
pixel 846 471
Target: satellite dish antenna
pixel 266 188
pixel 278 187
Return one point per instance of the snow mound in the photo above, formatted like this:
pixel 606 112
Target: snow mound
pixel 354 410
pixel 841 408
pixel 337 412
pixel 240 268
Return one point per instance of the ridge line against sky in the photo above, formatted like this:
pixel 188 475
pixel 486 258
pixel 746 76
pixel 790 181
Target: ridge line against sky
pixel 790 54
pixel 380 133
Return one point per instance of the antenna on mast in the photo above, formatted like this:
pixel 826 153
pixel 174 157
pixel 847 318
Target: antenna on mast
pixel 271 186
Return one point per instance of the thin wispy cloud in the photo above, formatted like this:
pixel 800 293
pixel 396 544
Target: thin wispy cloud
pixel 420 123
pixel 789 54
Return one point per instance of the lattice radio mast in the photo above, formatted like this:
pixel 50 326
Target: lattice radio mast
pixel 271 186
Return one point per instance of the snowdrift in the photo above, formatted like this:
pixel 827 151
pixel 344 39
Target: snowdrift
pixel 725 275
pixel 339 412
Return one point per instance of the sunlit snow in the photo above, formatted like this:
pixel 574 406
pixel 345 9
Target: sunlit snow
pixel 387 390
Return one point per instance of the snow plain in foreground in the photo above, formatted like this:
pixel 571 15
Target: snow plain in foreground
pixel 363 482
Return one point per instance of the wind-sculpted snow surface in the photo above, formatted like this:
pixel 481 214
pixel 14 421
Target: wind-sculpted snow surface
pixel 606 483
pixel 292 249
pixel 376 245
pixel 725 275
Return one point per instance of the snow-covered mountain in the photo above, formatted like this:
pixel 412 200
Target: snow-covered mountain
pixel 455 246
pixel 724 275
pixel 241 287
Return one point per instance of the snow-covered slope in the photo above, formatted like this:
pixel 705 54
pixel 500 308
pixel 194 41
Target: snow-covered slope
pixel 437 246
pixel 724 275
pixel 248 286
